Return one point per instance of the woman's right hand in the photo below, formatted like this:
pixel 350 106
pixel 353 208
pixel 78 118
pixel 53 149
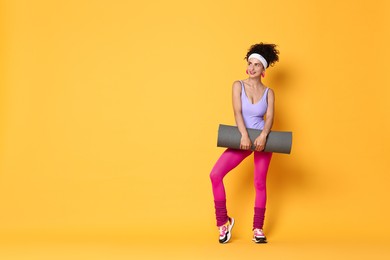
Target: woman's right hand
pixel 246 143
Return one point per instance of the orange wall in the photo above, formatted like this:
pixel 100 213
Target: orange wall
pixel 110 109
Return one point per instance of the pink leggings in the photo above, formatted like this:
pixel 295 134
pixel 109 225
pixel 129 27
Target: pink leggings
pixel 229 159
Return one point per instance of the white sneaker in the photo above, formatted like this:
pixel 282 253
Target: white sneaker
pixel 258 236
pixel 225 231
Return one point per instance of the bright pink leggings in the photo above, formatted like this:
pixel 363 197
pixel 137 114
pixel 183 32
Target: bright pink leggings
pixel 229 159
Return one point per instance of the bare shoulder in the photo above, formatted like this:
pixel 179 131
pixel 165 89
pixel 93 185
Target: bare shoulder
pixel 271 95
pixel 237 85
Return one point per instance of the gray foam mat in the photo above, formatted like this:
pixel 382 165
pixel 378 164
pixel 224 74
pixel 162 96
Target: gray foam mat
pixel 277 141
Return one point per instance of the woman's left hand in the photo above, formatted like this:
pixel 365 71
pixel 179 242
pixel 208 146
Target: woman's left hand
pixel 260 142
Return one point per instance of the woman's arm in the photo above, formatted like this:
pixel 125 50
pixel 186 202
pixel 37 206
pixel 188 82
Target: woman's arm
pixel 245 141
pixel 269 120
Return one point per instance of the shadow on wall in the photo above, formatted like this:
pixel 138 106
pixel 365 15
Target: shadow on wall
pixel 286 175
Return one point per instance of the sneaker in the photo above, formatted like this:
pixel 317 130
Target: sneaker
pixel 258 236
pixel 225 231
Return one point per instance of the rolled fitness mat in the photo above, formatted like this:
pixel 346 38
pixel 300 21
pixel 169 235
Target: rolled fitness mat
pixel 277 141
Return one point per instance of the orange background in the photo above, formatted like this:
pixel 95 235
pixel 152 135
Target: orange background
pixel 109 117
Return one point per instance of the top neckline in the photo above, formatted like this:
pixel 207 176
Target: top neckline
pixel 247 98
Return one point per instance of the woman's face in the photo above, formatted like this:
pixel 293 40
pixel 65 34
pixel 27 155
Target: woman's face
pixel 255 67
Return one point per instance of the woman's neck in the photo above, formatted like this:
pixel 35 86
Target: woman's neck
pixel 255 82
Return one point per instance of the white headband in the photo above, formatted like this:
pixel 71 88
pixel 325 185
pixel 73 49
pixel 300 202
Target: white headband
pixel 260 58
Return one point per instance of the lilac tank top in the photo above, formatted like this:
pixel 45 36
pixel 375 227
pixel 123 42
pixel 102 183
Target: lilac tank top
pixel 253 114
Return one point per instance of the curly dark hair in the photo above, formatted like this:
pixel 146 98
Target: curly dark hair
pixel 268 51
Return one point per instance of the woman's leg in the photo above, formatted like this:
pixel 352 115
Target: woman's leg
pixel 229 159
pixel 262 161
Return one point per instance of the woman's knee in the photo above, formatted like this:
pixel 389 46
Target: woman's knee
pixel 215 176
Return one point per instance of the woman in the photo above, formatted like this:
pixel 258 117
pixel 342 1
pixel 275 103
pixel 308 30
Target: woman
pixel 252 100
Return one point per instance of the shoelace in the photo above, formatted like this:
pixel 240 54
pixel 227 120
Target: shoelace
pixel 222 230
pixel 258 233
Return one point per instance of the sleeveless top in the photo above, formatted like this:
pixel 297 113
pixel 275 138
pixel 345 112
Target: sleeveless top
pixel 253 114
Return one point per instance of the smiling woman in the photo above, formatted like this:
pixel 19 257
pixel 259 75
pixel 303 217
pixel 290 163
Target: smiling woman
pixel 251 102
pixel 257 62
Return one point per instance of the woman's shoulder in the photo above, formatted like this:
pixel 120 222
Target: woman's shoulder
pixel 237 86
pixel 237 83
pixel 270 90
pixel 270 93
